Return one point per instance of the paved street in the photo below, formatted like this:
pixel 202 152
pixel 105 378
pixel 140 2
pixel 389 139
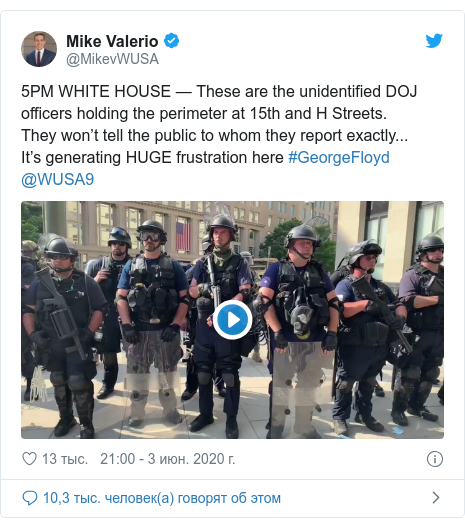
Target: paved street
pixel 111 415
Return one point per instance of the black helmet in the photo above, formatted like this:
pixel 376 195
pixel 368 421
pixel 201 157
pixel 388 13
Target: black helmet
pixel 118 234
pixel 206 243
pixel 225 222
pixel 154 226
pixel 429 243
pixel 362 249
pixel 60 246
pixel 301 232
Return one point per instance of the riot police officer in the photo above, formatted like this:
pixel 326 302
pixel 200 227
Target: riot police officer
pixel 298 302
pixel 29 266
pixel 71 364
pixel 106 272
pixel 421 290
pixel 152 303
pixel 344 270
pixel 363 339
pixel 233 275
pixel 192 380
pixel 256 284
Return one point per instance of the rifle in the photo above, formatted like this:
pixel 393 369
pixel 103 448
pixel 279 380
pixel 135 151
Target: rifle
pixel 364 288
pixel 62 318
pixel 216 290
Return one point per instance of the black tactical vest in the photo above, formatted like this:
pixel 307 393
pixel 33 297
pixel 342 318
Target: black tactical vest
pixel 153 296
pixel 365 328
pixel 313 286
pixel 110 285
pixel 226 278
pixel 428 317
pixel 74 291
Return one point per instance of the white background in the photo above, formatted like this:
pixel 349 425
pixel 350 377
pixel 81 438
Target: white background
pixel 240 50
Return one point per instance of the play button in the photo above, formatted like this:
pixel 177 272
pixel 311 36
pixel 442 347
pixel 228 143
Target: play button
pixel 232 319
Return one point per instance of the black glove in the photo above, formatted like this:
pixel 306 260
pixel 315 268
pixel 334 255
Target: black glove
pixel 205 290
pixel 130 334
pixel 330 342
pixel 169 333
pixel 397 323
pixel 86 335
pixel 372 308
pixel 39 339
pixel 440 300
pixel 281 340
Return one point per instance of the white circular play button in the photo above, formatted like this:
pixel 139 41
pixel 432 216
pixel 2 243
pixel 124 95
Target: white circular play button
pixel 232 319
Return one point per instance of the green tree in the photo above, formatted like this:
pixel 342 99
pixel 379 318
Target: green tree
pixel 275 240
pixel 326 253
pixel 31 220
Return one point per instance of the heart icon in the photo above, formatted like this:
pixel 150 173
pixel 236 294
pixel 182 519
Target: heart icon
pixel 29 457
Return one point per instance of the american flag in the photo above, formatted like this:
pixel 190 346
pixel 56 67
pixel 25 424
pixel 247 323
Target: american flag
pixel 183 238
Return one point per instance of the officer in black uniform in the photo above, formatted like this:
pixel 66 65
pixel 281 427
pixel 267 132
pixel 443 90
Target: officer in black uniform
pixel 152 303
pixel 192 380
pixel 106 272
pixel 233 275
pixel 363 339
pixel 71 375
pixel 298 302
pixel 420 292
pixel 29 266
pixel 343 271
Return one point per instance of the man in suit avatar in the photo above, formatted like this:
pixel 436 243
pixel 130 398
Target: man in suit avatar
pixel 40 56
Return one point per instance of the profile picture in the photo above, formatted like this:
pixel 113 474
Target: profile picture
pixel 39 49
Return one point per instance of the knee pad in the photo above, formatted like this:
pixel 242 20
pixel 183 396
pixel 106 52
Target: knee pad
pixel 78 382
pixel 204 377
pixel 110 359
pixel 412 372
pixel 229 379
pixel 432 374
pixel 345 386
pixel 57 378
pixel 425 387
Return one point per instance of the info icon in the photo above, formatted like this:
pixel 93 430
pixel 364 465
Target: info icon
pixel 232 319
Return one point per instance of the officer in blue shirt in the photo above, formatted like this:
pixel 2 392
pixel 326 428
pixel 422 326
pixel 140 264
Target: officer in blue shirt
pixel 152 303
pixel 233 275
pixel 363 339
pixel 298 302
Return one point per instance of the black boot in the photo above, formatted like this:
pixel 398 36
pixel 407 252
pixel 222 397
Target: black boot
pixel 379 391
pixel 84 402
pixel 201 421
pixel 371 423
pixel 187 395
pixel 424 413
pixel 399 417
pixel 104 392
pixel 232 430
pixel 64 401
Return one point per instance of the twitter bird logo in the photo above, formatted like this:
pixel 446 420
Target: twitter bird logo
pixel 433 42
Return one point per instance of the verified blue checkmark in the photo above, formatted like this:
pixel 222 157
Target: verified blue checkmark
pixel 171 40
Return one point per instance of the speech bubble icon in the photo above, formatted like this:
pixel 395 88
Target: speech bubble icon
pixel 30 497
